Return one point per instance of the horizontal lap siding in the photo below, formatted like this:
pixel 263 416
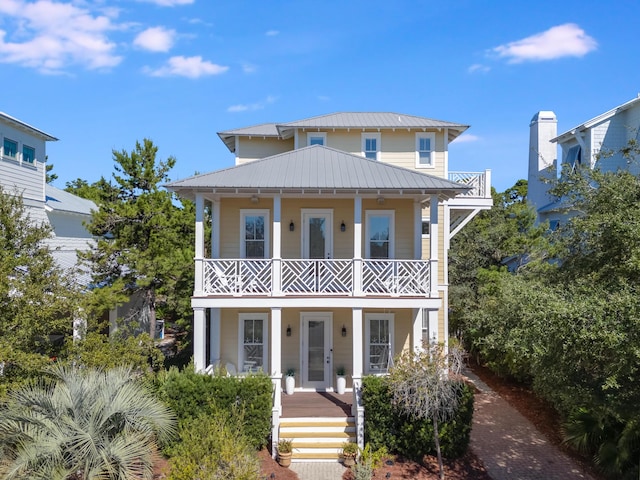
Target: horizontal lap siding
pixel 257 147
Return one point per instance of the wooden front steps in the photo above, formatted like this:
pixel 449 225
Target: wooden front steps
pixel 318 439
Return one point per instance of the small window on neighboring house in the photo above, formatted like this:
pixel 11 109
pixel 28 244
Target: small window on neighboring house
pixel 553 225
pixel 371 145
pixel 574 157
pixel 28 154
pixel 319 138
pixel 253 342
pixel 425 149
pixel 10 148
pixel 425 227
pixel 379 339
pixel 254 226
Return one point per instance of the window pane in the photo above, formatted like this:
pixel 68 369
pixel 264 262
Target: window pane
pixel 316 141
pixel 253 348
pixel 10 148
pixel 425 227
pixel 254 249
pixel 28 154
pixel 379 236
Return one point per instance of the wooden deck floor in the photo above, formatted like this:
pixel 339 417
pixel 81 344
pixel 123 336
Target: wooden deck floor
pixel 316 404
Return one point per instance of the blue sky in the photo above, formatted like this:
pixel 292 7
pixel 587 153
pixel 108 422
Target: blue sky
pixel 100 74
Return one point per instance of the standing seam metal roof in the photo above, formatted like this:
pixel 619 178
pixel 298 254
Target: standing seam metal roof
pixel 316 168
pixel 369 120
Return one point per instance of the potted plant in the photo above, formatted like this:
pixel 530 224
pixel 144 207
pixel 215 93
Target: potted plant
pixel 341 380
pixel 290 381
pixel 349 453
pixel 285 450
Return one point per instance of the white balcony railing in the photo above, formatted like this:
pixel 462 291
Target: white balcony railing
pixel 478 181
pixel 316 277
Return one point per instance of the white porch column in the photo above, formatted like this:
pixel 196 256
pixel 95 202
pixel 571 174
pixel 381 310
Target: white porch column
pixel 199 339
pixel 417 230
pixel 417 329
pixel 276 267
pixel 358 341
pixel 357 246
pixel 215 229
pixel 214 336
pixel 276 374
pixel 433 245
pixel 199 247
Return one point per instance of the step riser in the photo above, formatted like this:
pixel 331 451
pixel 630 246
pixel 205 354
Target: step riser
pixel 317 439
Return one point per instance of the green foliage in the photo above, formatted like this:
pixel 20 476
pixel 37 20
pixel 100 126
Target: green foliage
pixel 82 424
pixel 386 424
pixel 211 447
pixel 192 394
pixel 36 298
pixel 285 445
pixel 370 459
pixel 100 351
pixel 145 246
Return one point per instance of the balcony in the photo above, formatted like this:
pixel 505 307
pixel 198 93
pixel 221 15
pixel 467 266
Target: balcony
pixel 480 183
pixel 337 277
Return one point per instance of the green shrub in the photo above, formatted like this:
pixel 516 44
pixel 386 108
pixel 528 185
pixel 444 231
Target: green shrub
pixel 385 425
pixel 192 394
pixel 213 447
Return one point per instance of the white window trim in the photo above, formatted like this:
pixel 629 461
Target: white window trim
pixel 380 213
pixel 265 340
pixel 432 137
pixel 250 212
pixel 367 336
pixel 427 220
pixel 378 137
pixel 317 134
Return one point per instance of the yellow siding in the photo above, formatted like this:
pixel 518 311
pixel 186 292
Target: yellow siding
pixel 257 147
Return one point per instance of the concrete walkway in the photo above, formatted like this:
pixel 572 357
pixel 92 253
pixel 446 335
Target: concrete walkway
pixel 510 446
pixel 318 471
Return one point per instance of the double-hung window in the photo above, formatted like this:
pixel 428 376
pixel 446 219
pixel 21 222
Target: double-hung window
pixel 28 154
pixel 371 145
pixel 316 138
pixel 425 150
pixel 379 342
pixel 254 233
pixel 253 337
pixel 10 148
pixel 380 233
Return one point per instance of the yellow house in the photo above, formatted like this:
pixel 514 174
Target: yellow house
pixel 328 249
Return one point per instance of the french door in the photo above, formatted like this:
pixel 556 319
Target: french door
pixel 316 350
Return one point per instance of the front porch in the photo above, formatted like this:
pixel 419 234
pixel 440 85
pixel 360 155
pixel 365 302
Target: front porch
pixel 316 404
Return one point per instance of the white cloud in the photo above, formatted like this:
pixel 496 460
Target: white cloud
pixel 191 67
pixel 272 33
pixel 567 40
pixel 252 106
pixel 249 68
pixel 155 39
pixel 478 68
pixel 169 3
pixel 467 138
pixel 52 36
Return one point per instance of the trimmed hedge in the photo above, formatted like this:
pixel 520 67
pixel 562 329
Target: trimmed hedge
pixel 386 425
pixel 192 394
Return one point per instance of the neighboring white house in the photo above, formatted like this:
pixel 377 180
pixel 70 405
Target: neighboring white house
pixel 23 171
pixel 329 241
pixel 580 145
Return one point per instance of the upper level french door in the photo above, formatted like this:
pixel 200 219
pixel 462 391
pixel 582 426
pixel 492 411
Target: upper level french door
pixel 317 235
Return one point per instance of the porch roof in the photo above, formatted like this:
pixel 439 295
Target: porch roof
pixel 317 169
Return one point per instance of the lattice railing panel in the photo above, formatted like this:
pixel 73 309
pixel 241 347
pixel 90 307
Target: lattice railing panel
pixel 475 180
pixel 234 277
pixel 395 277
